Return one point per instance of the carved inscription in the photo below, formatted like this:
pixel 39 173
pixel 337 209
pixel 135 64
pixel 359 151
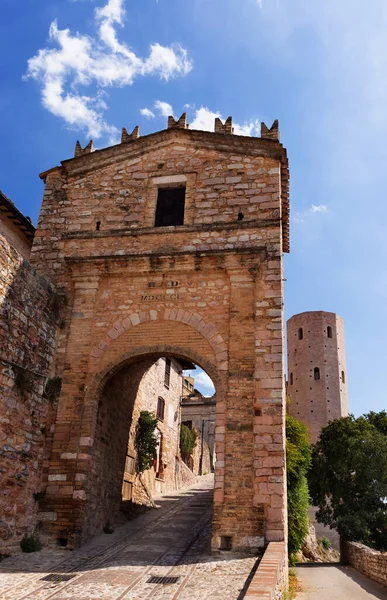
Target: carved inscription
pixel 167 295
pixel 161 297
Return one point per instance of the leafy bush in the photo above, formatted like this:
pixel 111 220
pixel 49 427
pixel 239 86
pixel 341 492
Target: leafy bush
pixel 188 439
pixel 325 542
pixel 146 441
pixel 348 479
pixel 30 543
pixel 298 459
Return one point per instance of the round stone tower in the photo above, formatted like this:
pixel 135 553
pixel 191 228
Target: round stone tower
pixel 317 377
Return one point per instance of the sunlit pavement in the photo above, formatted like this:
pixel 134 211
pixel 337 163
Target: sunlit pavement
pixel 169 542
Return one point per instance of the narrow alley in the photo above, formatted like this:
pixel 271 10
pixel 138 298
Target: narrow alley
pixel 170 542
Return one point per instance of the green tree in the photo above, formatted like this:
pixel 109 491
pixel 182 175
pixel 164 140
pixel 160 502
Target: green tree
pixel 146 441
pixel 348 478
pixel 298 460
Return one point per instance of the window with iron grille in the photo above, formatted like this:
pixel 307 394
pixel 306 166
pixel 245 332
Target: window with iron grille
pixel 170 207
pixel 160 408
pixel 167 374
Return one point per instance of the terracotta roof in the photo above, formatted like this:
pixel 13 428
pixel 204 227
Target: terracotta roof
pixel 23 223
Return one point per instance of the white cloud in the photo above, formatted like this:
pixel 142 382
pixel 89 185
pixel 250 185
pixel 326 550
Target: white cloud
pixel 79 60
pixel 163 108
pixel 146 112
pixel 319 208
pixel 204 119
pixel 304 215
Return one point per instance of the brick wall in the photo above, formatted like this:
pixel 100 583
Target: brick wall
pixel 27 345
pixel 209 291
pixel 271 578
pixel 371 563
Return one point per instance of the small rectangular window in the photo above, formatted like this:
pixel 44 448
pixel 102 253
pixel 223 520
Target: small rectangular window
pixel 160 408
pixel 167 374
pixel 170 207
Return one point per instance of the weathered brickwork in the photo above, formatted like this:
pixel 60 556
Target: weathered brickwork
pixel 27 345
pixel 317 397
pixel 315 340
pixel 371 563
pixel 270 581
pixel 208 291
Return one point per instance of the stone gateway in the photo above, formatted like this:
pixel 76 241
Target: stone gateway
pixel 168 245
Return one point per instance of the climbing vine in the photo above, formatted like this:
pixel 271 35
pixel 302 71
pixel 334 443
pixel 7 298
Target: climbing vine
pixel 188 439
pixel 146 441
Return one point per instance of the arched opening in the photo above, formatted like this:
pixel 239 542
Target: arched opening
pixel 329 331
pixel 154 386
pixel 342 376
pixel 300 333
pixel 291 378
pixel 316 374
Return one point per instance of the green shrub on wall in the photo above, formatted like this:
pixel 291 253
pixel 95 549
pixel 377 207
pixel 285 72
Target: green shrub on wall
pixel 298 460
pixel 188 439
pixel 146 441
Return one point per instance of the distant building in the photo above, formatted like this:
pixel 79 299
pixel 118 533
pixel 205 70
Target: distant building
pixel 200 412
pixel 317 373
pixel 317 379
pixel 160 392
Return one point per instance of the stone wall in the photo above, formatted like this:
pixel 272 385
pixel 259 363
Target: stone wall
pixel 371 563
pixel 208 291
pixel 270 581
pixel 27 345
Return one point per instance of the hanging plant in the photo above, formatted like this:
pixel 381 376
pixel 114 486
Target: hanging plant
pixel 146 441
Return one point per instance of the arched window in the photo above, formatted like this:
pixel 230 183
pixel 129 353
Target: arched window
pixel 329 331
pixel 343 376
pixel 316 374
pixel 291 378
pixel 300 334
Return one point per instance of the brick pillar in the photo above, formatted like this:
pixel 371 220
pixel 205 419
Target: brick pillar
pixel 70 458
pixel 235 515
pixel 269 404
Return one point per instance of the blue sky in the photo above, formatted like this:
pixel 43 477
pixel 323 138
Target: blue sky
pixel 76 69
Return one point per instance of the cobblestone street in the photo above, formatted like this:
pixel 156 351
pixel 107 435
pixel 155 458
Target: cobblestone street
pixel 172 541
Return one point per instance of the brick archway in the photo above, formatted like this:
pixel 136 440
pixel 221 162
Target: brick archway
pixel 194 320
pixel 211 285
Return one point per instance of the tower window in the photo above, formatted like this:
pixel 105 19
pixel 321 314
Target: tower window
pixel 316 374
pixel 343 376
pixel 170 207
pixel 160 408
pixel 167 374
pixel 300 334
pixel 329 331
pixel 291 378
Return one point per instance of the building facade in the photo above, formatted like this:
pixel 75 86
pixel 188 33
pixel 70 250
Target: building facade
pixel 168 245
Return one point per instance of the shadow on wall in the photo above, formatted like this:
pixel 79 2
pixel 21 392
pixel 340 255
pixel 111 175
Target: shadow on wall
pixel 28 313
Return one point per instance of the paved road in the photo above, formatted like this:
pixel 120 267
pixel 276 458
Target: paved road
pixel 333 582
pixel 172 541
